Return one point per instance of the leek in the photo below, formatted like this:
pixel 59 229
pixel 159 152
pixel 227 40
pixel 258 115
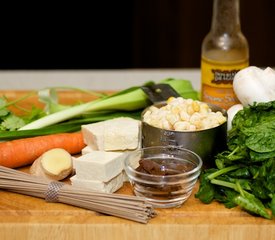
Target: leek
pixel 131 99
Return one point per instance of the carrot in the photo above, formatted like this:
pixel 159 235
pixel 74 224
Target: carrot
pixel 22 152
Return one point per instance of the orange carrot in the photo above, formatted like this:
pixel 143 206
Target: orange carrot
pixel 22 152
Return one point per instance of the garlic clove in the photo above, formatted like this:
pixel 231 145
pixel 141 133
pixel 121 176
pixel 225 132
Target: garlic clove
pixel 269 82
pixel 231 112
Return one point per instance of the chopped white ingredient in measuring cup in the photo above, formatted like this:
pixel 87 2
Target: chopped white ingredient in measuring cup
pixel 183 115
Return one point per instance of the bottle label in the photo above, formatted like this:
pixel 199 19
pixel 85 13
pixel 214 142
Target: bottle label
pixel 217 82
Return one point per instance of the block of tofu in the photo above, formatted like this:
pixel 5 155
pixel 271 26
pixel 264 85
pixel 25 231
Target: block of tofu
pixel 116 134
pixel 107 187
pixel 98 165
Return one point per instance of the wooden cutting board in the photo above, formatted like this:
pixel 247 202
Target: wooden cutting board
pixel 25 217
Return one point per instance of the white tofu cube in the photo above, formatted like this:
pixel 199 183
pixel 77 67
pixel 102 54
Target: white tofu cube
pixel 99 165
pixel 117 134
pixel 107 187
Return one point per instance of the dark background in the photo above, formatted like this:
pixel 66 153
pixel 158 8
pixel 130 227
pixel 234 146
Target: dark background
pixel 123 34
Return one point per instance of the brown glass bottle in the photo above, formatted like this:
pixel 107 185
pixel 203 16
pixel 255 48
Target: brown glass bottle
pixel 224 52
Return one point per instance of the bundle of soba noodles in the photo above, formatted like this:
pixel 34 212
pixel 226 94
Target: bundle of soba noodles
pixel 119 205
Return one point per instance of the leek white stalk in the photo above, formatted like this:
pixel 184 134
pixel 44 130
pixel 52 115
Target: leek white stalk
pixel 128 101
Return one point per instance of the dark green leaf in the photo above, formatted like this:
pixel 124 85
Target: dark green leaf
pixel 259 189
pixel 261 138
pixel 252 205
pixel 242 172
pixel 260 157
pixel 226 196
pixel 206 191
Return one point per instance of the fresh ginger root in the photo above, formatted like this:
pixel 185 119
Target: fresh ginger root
pixel 55 164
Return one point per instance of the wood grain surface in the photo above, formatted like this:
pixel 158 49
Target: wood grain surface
pixel 25 217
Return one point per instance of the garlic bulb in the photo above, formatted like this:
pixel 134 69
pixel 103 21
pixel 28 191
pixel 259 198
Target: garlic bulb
pixel 253 84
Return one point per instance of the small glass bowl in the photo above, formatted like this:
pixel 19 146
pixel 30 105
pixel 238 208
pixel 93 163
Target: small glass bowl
pixel 168 175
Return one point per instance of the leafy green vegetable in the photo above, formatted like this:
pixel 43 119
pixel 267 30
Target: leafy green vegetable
pixel 252 204
pixel 8 120
pixel 12 122
pixel 254 128
pixel 245 173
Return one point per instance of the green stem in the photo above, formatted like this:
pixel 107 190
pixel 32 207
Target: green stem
pixel 233 152
pixel 224 183
pixel 239 188
pixel 230 185
pixel 222 171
